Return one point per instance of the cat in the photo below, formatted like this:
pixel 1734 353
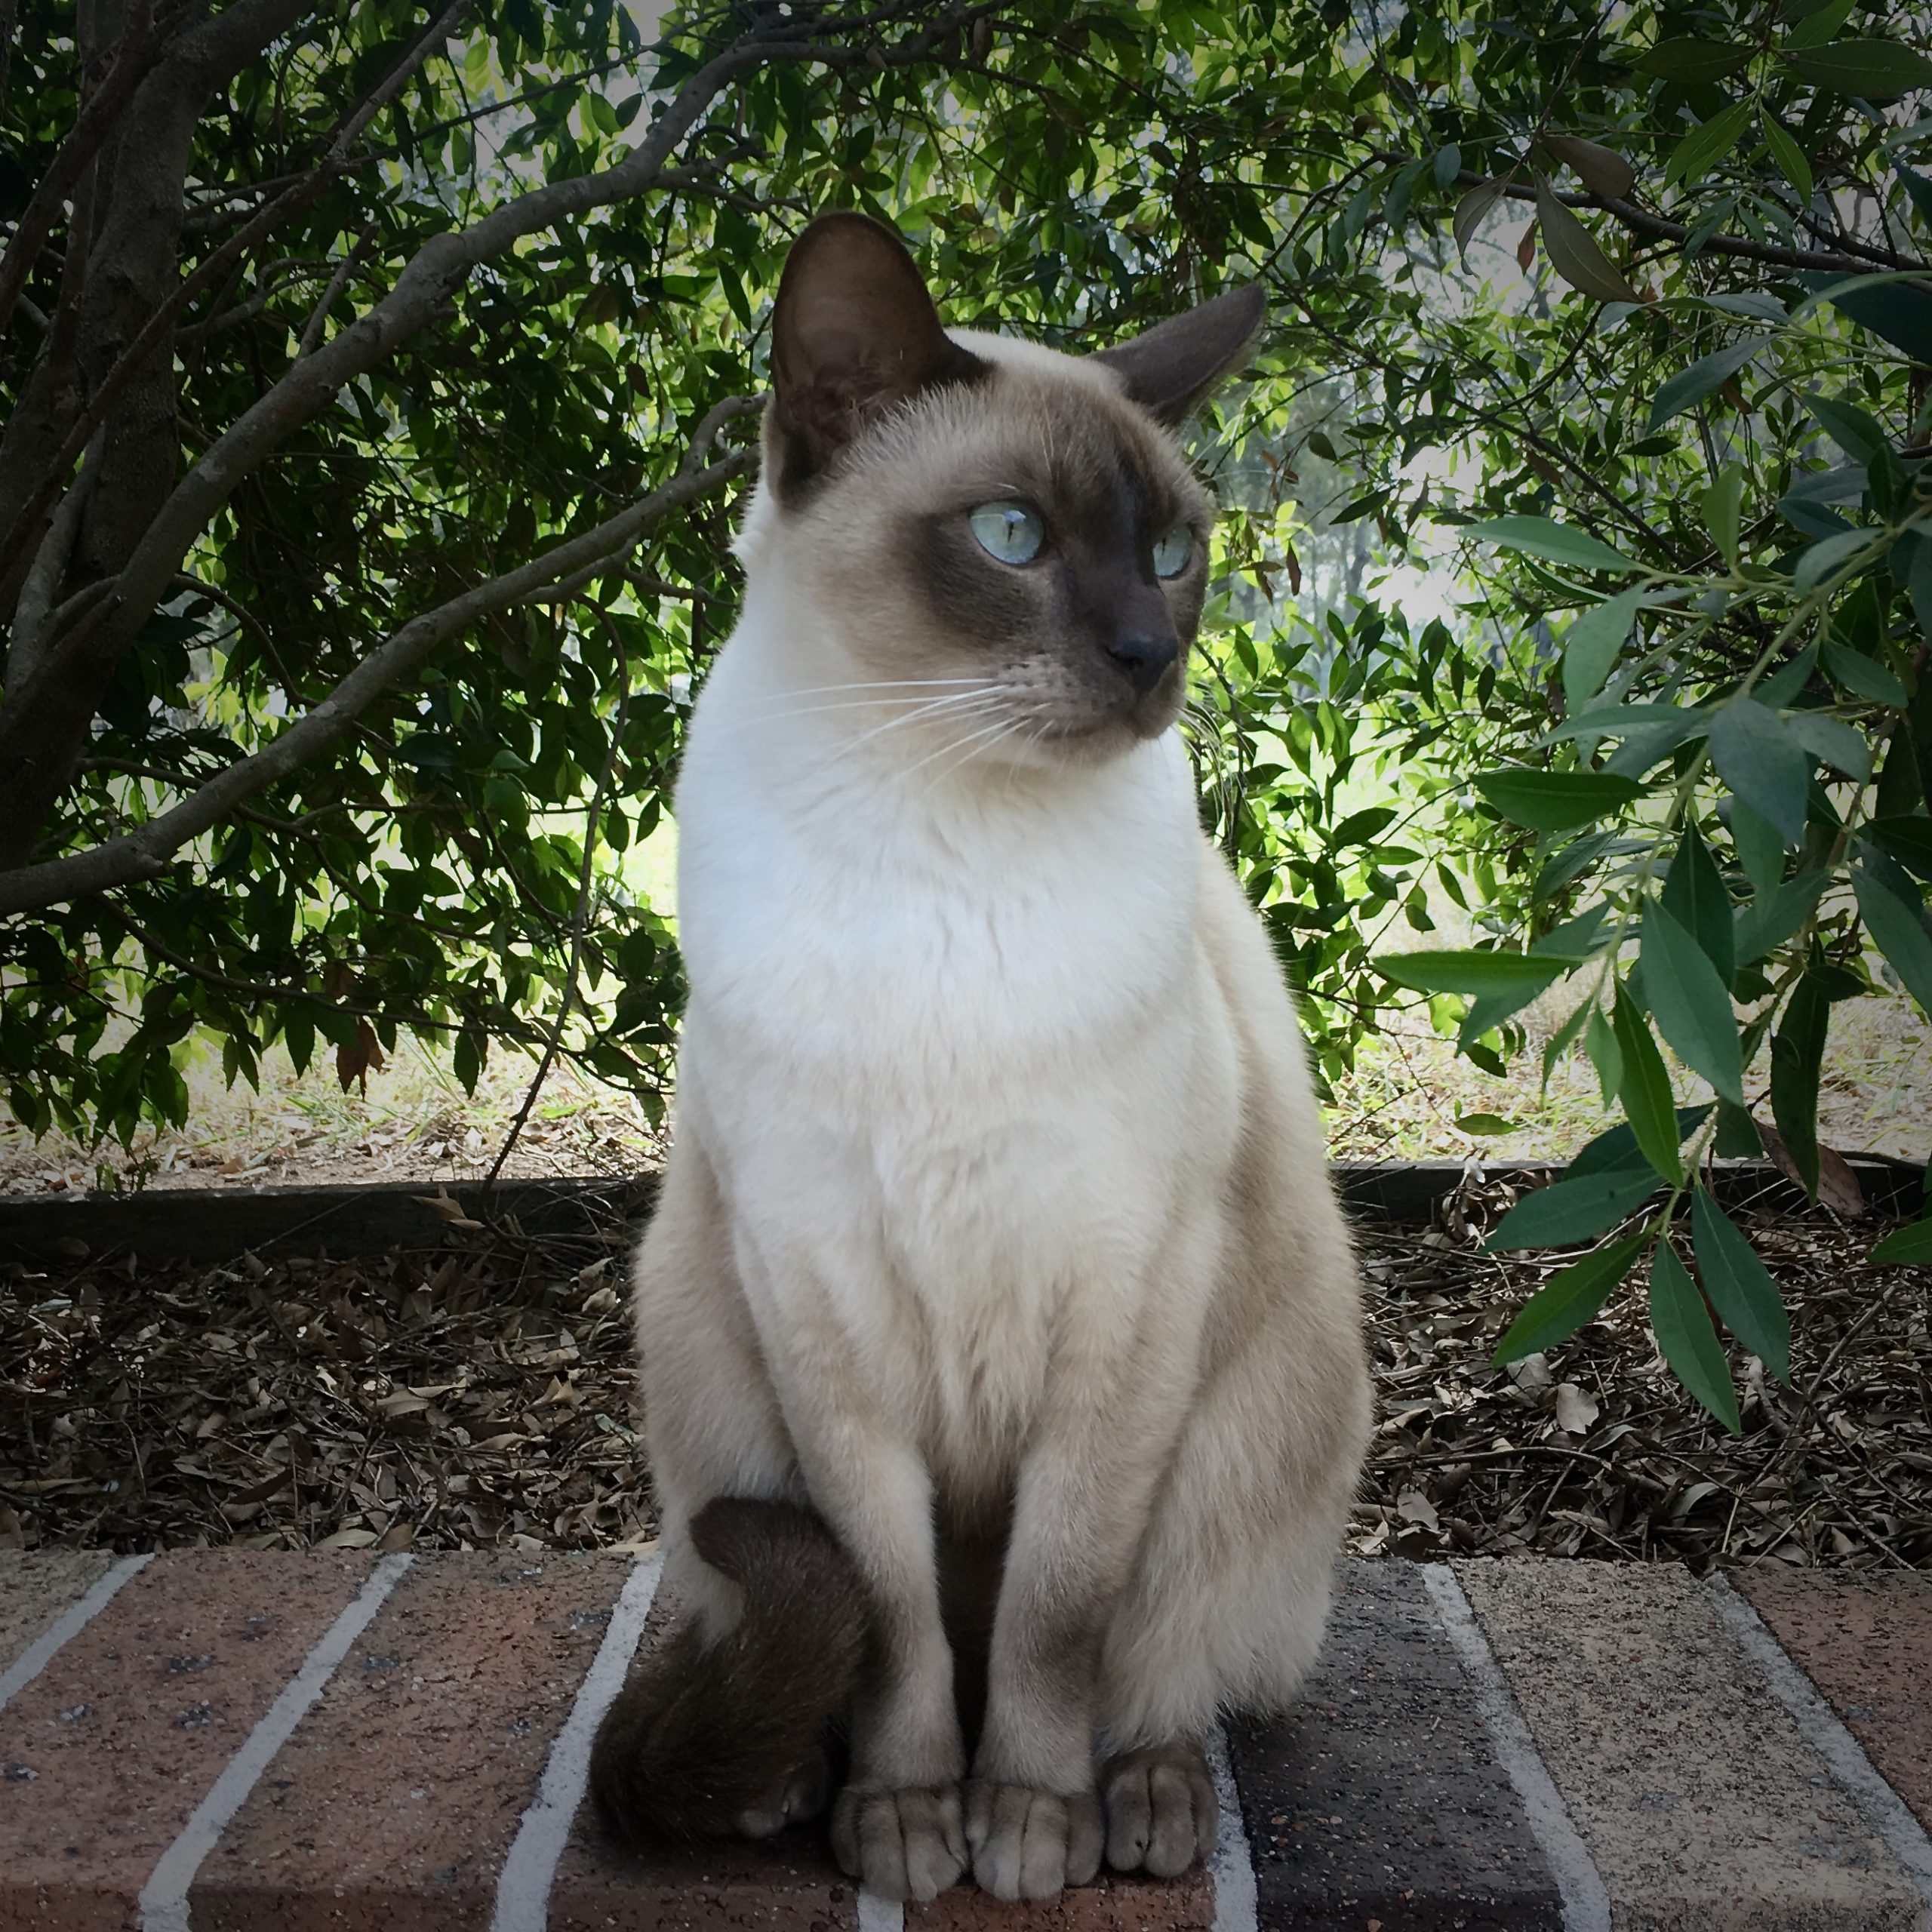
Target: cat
pixel 1003 1378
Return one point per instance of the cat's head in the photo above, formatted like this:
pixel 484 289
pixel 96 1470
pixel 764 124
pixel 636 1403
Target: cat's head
pixel 974 513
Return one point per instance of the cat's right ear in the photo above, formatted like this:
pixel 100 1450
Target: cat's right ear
pixel 854 334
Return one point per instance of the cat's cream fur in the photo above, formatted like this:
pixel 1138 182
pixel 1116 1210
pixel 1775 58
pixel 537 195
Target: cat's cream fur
pixel 997 1204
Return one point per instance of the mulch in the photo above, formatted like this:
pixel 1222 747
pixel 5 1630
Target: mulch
pixel 480 1395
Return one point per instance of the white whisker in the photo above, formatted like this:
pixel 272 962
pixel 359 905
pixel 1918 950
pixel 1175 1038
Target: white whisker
pixel 1000 725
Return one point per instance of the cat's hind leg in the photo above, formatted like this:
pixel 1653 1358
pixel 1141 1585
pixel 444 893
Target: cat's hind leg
pixel 761 1624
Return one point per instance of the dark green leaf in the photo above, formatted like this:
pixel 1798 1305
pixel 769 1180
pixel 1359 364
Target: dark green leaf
pixel 1704 378
pixel 1554 800
pixel 1616 1146
pixel 1690 1004
pixel 1862 676
pixel 1645 1088
pixel 1568 1300
pixel 1907 1247
pixel 1575 253
pixel 1873 69
pixel 1851 428
pixel 1908 840
pixel 1797 1052
pixel 1762 763
pixel 1602 170
pixel 1573 1210
pixel 1591 645
pixel 1695 894
pixel 1707 145
pixel 1537 537
pixel 1740 1288
pixel 1481 973
pixel 1898 931
pixel 1774 915
pixel 1687 62
pixel 1687 1338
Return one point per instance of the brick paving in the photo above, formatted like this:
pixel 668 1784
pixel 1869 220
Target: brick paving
pixel 230 1741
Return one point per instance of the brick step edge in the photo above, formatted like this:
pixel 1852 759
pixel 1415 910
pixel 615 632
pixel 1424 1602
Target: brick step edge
pixel 334 1741
pixel 216 1224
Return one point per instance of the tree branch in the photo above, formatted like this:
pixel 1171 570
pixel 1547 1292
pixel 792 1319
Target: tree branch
pixel 34 613
pixel 144 854
pixel 1655 228
pixel 84 139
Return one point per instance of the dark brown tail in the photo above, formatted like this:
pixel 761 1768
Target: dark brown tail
pixel 700 1738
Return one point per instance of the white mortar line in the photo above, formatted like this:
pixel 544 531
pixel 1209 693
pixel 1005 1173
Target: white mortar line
pixel 878 1915
pixel 1586 1904
pixel 68 1625
pixel 1231 1865
pixel 164 1901
pixel 1889 1816
pixel 523 1886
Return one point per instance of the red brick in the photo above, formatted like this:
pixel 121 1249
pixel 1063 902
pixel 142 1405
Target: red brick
pixel 789 1886
pixel 1186 1904
pixel 1865 1641
pixel 393 1802
pixel 36 1586
pixel 122 1733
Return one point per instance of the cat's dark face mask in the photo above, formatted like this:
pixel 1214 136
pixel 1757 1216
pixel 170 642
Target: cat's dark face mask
pixel 984 510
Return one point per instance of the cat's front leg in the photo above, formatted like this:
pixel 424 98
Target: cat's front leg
pixel 1033 1819
pixel 897 1827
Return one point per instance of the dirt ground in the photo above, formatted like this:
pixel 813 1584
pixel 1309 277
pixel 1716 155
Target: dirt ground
pixel 476 1396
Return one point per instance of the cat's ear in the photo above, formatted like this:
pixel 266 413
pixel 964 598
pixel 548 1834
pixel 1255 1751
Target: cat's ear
pixel 853 333
pixel 1171 369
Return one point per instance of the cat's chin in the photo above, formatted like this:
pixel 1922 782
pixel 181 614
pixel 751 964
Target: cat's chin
pixel 1080 743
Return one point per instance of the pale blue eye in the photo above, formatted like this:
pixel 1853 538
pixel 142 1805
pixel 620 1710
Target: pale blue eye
pixel 1009 531
pixel 1171 553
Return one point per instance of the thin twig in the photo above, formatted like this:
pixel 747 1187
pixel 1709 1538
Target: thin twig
pixel 580 919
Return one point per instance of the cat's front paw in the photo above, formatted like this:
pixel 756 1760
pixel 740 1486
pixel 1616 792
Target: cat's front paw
pixel 900 1844
pixel 1162 1811
pixel 1031 1844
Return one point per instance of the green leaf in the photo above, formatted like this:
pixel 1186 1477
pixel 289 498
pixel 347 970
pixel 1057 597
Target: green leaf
pixel 1898 931
pixel 1484 974
pixel 1820 559
pixel 1704 378
pixel 1687 1338
pixel 1740 1288
pixel 1475 203
pixel 1707 144
pixel 1908 839
pixel 1723 508
pixel 1763 764
pixel 1628 721
pixel 1602 170
pixel 1568 1300
pixel 1774 915
pixel 1687 62
pixel 1554 800
pixel 1537 537
pixel 1869 70
pixel 1863 677
pixel 1854 432
pixel 1485 1124
pixel 1695 894
pixel 1689 1003
pixel 1572 1210
pixel 1574 252
pixel 1789 157
pixel 1737 1136
pixel 1606 1055
pixel 1616 1146
pixel 1760 846
pixel 1841 745
pixel 1359 827
pixel 1907 1247
pixel 1645 1088
pixel 1591 645
pixel 1798 1052
pixel 1576 939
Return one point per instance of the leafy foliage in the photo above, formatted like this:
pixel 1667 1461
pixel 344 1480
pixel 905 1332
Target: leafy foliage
pixel 1669 750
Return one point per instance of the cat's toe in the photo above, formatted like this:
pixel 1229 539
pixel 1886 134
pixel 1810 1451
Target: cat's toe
pixel 900 1844
pixel 1032 1844
pixel 1162 1814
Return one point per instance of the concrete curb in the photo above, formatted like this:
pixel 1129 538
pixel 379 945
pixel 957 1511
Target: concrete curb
pixel 224 1741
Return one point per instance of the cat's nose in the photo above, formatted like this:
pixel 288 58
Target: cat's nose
pixel 1145 660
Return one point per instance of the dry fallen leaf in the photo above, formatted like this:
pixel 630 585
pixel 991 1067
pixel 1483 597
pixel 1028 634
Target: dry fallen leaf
pixel 1576 1412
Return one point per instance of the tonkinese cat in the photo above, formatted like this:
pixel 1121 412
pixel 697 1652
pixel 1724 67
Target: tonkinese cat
pixel 1003 1381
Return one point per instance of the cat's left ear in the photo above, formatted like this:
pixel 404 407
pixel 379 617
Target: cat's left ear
pixel 1171 370
pixel 854 334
